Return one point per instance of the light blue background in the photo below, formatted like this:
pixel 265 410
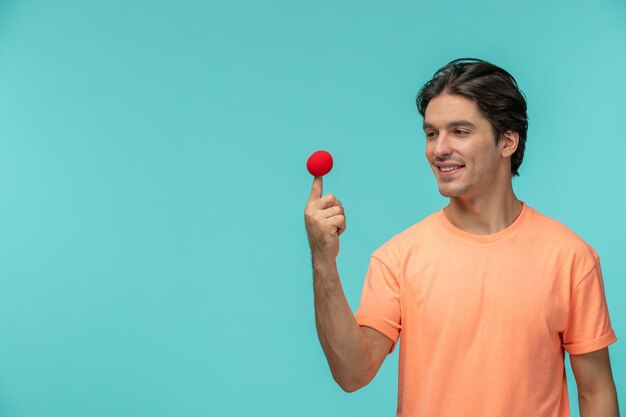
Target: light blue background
pixel 153 256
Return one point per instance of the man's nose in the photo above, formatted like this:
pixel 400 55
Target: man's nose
pixel 442 145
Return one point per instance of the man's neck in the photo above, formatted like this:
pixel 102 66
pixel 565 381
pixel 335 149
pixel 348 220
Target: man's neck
pixel 484 215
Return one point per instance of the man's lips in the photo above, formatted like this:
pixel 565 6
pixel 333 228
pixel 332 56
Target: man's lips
pixel 448 170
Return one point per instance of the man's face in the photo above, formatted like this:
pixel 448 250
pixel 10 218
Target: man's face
pixel 460 138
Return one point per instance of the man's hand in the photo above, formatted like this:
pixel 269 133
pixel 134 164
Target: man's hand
pixel 325 221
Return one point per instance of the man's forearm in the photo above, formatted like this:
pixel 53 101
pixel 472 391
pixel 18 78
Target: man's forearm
pixel 341 338
pixel 599 404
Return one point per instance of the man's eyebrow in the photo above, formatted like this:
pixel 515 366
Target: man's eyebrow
pixel 453 123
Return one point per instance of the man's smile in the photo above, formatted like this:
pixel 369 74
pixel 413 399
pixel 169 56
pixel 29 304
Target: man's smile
pixel 448 169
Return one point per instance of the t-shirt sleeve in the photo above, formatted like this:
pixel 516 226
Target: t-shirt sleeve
pixel 380 301
pixel 589 325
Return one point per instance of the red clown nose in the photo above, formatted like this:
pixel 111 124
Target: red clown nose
pixel 319 163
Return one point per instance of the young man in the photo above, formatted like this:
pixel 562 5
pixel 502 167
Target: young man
pixel 487 293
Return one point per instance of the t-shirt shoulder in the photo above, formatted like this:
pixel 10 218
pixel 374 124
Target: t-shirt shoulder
pixel 559 234
pixel 565 244
pixel 391 251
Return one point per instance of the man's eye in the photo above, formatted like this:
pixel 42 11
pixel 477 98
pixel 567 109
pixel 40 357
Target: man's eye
pixel 461 132
pixel 430 134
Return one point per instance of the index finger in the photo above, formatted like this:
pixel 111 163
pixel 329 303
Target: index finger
pixel 316 189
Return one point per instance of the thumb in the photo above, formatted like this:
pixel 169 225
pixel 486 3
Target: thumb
pixel 316 189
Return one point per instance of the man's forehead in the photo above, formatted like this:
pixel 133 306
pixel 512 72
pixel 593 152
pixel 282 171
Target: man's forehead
pixel 452 123
pixel 449 109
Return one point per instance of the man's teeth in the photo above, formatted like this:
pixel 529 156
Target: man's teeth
pixel 447 169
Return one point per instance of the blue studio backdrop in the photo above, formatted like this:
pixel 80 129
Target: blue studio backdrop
pixel 153 256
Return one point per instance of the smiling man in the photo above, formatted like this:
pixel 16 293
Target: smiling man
pixel 487 294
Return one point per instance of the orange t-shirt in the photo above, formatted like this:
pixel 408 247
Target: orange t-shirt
pixel 485 319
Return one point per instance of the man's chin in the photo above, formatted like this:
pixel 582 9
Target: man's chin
pixel 448 192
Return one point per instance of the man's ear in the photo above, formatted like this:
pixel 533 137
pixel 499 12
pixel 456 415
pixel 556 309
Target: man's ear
pixel 508 143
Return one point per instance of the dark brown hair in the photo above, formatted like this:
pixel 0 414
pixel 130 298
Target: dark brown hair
pixel 494 90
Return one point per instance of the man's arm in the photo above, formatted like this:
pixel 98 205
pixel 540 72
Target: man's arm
pixel 597 396
pixel 354 353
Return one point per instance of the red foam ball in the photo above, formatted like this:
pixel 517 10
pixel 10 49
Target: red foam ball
pixel 319 163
